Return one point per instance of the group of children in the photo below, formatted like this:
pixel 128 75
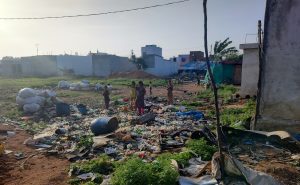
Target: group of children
pixel 137 96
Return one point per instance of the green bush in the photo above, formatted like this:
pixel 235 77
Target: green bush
pixel 181 158
pixel 205 94
pixel 101 165
pixel 224 91
pixel 230 116
pixel 136 172
pixel 77 181
pixel 85 141
pixel 201 148
pixel 192 105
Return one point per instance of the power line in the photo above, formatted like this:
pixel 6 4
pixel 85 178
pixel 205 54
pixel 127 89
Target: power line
pixel 93 14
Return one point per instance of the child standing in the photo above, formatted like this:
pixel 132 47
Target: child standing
pixel 132 95
pixel 140 100
pixel 170 92
pixel 150 88
pixel 106 97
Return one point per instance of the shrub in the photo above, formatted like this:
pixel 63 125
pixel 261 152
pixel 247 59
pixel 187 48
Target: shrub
pixel 101 165
pixel 136 172
pixel 201 148
pixel 230 116
pixel 181 158
pixel 85 141
pixel 133 172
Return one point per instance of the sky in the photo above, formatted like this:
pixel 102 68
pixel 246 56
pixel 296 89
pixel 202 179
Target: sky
pixel 177 29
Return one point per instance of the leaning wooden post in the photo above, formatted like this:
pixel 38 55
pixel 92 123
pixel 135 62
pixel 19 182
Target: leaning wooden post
pixel 215 90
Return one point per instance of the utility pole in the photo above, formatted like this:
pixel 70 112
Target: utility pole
pixel 258 95
pixel 215 90
pixel 37 49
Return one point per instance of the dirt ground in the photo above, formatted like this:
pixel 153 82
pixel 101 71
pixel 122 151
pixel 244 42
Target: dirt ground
pixel 283 172
pixel 38 168
pixel 182 91
pixel 95 99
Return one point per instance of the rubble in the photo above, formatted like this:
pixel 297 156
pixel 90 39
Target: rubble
pixel 80 133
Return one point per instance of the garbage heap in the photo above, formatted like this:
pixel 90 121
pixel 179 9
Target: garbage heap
pixel 163 132
pixel 31 100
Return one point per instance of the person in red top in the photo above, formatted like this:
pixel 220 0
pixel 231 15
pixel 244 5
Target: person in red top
pixel 140 100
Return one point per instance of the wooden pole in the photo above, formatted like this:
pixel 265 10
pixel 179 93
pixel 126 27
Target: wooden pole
pixel 258 95
pixel 215 90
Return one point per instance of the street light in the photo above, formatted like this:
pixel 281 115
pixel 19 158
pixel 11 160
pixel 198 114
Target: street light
pixel 37 49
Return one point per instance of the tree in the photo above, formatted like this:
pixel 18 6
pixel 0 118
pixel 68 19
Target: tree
pixel 139 62
pixel 221 49
pixel 234 57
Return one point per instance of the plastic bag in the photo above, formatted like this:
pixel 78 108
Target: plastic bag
pixel 26 93
pixel 75 86
pixel 63 85
pixel 36 99
pixel 46 93
pixel 31 108
pixel 84 86
pixel 85 81
pixel 98 87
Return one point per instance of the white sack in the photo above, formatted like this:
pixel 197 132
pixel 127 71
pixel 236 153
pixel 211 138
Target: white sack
pixel 31 108
pixel 63 85
pixel 26 93
pixel 36 100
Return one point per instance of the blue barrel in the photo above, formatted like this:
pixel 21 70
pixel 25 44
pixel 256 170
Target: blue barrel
pixel 62 109
pixel 82 109
pixel 104 125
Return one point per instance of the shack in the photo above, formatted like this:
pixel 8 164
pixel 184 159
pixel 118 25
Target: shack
pixel 226 72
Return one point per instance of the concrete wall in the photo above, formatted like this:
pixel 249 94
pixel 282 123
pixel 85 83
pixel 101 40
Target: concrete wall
pixel 39 66
pixel 80 65
pixel 162 67
pixel 106 65
pixel 97 65
pixel 280 100
pixel 10 67
pixel 250 69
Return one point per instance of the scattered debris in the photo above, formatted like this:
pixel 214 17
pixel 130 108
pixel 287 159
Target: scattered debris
pixel 2 149
pixel 175 139
pixel 239 173
pixel 146 118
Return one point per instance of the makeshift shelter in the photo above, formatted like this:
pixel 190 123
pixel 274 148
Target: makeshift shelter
pixel 225 72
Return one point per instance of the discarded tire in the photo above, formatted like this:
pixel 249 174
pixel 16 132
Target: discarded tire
pixel 62 109
pixel 104 125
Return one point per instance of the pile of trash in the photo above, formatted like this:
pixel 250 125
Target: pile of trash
pixel 84 134
pixel 83 85
pixel 31 100
pixel 63 84
pixel 116 132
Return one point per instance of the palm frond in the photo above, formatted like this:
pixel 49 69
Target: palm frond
pixel 224 44
pixel 216 46
pixel 228 50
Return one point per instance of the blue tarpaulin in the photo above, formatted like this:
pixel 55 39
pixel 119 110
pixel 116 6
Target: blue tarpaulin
pixel 194 66
pixel 196 114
